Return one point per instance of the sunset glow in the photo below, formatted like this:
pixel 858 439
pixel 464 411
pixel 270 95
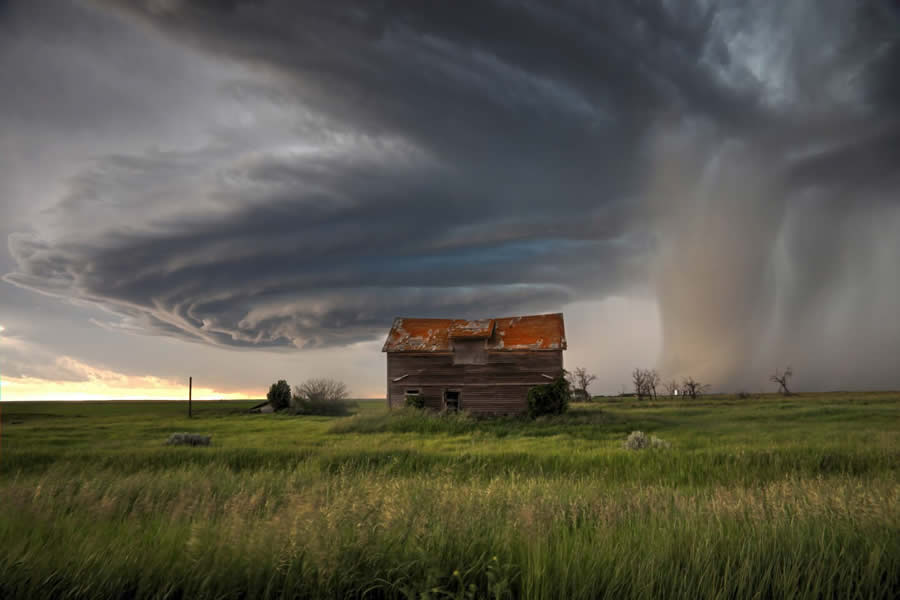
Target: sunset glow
pixel 101 384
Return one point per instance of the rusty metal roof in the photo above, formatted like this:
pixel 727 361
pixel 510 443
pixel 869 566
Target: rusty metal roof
pixel 481 329
pixel 534 332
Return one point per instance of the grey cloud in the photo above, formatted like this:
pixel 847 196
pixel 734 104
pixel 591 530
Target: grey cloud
pixel 562 85
pixel 329 250
pixel 22 358
pixel 489 157
pixel 865 162
pixel 69 66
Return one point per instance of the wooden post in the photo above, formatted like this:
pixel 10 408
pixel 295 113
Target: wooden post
pixel 190 393
pixel 388 369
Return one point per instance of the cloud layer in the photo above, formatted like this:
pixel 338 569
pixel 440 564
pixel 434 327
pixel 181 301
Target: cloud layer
pixel 363 161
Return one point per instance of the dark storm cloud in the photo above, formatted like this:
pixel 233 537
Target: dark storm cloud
pixel 496 177
pixel 866 163
pixel 489 157
pixel 327 252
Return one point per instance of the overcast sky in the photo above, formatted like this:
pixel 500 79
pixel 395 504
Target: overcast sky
pixel 243 191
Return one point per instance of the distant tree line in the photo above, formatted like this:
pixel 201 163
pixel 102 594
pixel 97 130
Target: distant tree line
pixel 647 383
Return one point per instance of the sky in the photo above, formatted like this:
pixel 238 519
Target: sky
pixel 244 191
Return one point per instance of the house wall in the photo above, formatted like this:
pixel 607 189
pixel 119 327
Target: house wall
pixel 500 386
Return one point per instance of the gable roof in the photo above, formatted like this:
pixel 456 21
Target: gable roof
pixel 534 332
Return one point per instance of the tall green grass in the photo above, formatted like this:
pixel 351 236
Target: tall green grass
pixel 753 499
pixel 215 533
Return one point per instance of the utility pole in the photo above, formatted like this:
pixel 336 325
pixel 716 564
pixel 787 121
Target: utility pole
pixel 190 393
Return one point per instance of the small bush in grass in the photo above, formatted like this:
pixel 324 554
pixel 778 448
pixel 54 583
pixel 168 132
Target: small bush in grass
pixel 325 397
pixel 188 439
pixel 279 395
pixel 656 442
pixel 638 440
pixel 549 399
pixel 415 401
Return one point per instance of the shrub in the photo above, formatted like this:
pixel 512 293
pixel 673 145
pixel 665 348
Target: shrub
pixel 279 395
pixel 415 401
pixel 320 397
pixel 580 396
pixel 656 442
pixel 549 399
pixel 188 439
pixel 638 440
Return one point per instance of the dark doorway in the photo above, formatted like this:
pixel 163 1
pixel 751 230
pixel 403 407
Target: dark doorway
pixel 451 400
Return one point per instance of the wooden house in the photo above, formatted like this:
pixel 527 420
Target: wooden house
pixel 484 367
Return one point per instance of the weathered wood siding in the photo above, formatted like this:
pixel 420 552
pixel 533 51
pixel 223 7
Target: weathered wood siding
pixel 498 387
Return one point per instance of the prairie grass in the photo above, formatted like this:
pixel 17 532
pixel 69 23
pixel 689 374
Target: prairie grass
pixel 762 498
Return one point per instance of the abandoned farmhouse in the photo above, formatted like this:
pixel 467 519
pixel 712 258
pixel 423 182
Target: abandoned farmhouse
pixel 484 366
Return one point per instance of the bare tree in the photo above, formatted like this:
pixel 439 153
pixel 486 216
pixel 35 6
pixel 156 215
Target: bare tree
pixel 645 382
pixel 653 380
pixel 639 379
pixel 782 378
pixel 320 396
pixel 321 390
pixel 693 388
pixel 580 379
pixel 671 387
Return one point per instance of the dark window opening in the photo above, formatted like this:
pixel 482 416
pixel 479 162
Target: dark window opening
pixel 451 400
pixel 413 397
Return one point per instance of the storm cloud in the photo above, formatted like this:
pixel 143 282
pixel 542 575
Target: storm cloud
pixel 359 161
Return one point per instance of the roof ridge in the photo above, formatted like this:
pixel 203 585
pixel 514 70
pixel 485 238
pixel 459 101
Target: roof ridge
pixel 435 334
pixel 553 314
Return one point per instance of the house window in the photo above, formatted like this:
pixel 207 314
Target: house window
pixel 451 400
pixel 413 397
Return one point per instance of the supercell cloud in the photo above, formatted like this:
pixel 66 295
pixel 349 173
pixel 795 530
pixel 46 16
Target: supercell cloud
pixel 296 174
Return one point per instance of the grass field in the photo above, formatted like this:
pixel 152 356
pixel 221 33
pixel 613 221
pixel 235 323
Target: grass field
pixel 765 498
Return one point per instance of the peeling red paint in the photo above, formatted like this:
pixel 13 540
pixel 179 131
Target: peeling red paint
pixel 535 332
pixel 481 329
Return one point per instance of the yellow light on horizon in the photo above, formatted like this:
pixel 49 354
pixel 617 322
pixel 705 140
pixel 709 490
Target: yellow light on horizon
pixel 101 384
pixel 41 389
